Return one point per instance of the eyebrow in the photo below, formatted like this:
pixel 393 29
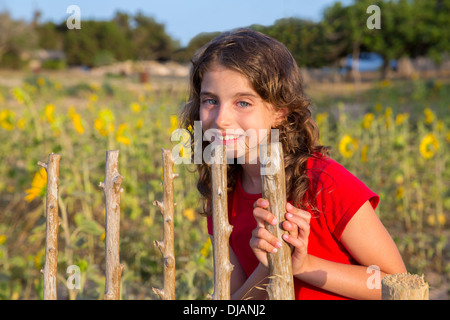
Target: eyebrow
pixel 239 94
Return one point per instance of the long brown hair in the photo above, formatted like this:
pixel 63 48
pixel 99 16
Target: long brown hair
pixel 274 75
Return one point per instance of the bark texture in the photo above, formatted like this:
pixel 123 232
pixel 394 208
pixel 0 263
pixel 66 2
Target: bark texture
pixel 167 245
pixel 112 190
pixel 281 281
pixel 404 286
pixel 52 225
pixel 221 227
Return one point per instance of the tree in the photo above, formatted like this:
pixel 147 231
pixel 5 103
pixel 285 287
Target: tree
pixel 186 54
pixel 16 38
pixel 151 40
pixel 394 39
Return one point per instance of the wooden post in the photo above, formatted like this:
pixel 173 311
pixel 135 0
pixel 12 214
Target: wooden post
pixel 52 224
pixel 112 190
pixel 221 227
pixel 404 286
pixel 281 281
pixel 167 245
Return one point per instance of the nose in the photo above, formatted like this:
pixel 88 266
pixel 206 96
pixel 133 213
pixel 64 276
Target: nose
pixel 224 116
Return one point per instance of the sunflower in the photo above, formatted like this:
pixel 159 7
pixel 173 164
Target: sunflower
pixel 121 134
pixel 347 146
pixel 401 118
pixel 429 116
pixel 206 248
pixel 368 119
pixel 438 219
pixel 104 124
pixel 189 213
pixel 77 123
pixel 321 117
pixel 428 146
pixel 7 119
pixel 135 107
pixel 38 186
pixel 49 112
pixel 173 123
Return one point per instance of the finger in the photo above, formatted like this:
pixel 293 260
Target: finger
pixel 261 202
pixel 263 216
pixel 297 243
pixel 262 239
pixel 305 214
pixel 290 227
pixel 302 224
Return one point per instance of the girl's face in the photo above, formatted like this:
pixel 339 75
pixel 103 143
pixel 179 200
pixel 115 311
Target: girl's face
pixel 233 114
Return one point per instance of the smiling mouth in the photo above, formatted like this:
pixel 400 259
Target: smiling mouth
pixel 227 139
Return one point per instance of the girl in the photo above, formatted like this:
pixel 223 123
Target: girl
pixel 244 81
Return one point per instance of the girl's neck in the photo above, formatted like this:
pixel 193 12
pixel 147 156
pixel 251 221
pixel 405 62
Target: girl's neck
pixel 251 178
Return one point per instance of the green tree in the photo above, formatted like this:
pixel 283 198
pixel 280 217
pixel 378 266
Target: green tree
pixel 151 40
pixel 306 40
pixel 49 36
pixel 17 39
pixel 186 54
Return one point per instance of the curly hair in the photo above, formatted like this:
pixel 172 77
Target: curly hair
pixel 275 76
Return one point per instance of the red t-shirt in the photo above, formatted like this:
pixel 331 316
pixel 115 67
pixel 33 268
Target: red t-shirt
pixel 336 194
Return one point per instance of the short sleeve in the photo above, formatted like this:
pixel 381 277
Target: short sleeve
pixel 340 195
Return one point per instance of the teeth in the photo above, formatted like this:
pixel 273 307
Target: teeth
pixel 227 137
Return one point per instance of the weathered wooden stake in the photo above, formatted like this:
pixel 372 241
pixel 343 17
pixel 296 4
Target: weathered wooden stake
pixel 281 282
pixel 404 286
pixel 52 224
pixel 221 227
pixel 167 245
pixel 112 190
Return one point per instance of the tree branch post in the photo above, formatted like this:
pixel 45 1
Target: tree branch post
pixel 221 226
pixel 404 286
pixel 281 281
pixel 52 224
pixel 112 190
pixel 167 245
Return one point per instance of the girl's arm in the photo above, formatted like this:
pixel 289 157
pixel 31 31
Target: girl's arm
pixel 365 238
pixel 370 244
pixel 242 287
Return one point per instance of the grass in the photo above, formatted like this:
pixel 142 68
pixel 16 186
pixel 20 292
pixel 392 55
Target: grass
pixel 394 135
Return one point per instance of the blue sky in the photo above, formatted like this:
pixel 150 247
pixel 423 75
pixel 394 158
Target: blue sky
pixel 183 18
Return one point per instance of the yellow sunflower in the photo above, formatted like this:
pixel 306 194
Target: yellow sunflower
pixel 49 112
pixel 428 146
pixel 206 248
pixel 401 118
pixel 189 213
pixel 104 124
pixel 347 146
pixel 429 116
pixel 38 186
pixel 368 119
pixel 7 119
pixel 121 135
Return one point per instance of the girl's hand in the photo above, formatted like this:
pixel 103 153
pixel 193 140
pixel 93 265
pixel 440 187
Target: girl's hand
pixel 297 224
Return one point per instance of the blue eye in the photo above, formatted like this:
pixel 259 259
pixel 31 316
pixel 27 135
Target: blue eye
pixel 210 101
pixel 243 104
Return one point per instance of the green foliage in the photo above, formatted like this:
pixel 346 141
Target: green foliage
pixel 386 125
pixel 408 29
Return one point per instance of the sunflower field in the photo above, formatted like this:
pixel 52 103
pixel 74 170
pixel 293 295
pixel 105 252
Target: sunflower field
pixel 393 135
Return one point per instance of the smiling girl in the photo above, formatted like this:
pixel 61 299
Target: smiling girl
pixel 244 81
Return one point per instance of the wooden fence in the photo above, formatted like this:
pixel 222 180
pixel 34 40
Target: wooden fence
pixel 280 287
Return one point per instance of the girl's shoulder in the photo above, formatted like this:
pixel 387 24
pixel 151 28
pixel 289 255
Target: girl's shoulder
pixel 324 171
pixel 319 164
